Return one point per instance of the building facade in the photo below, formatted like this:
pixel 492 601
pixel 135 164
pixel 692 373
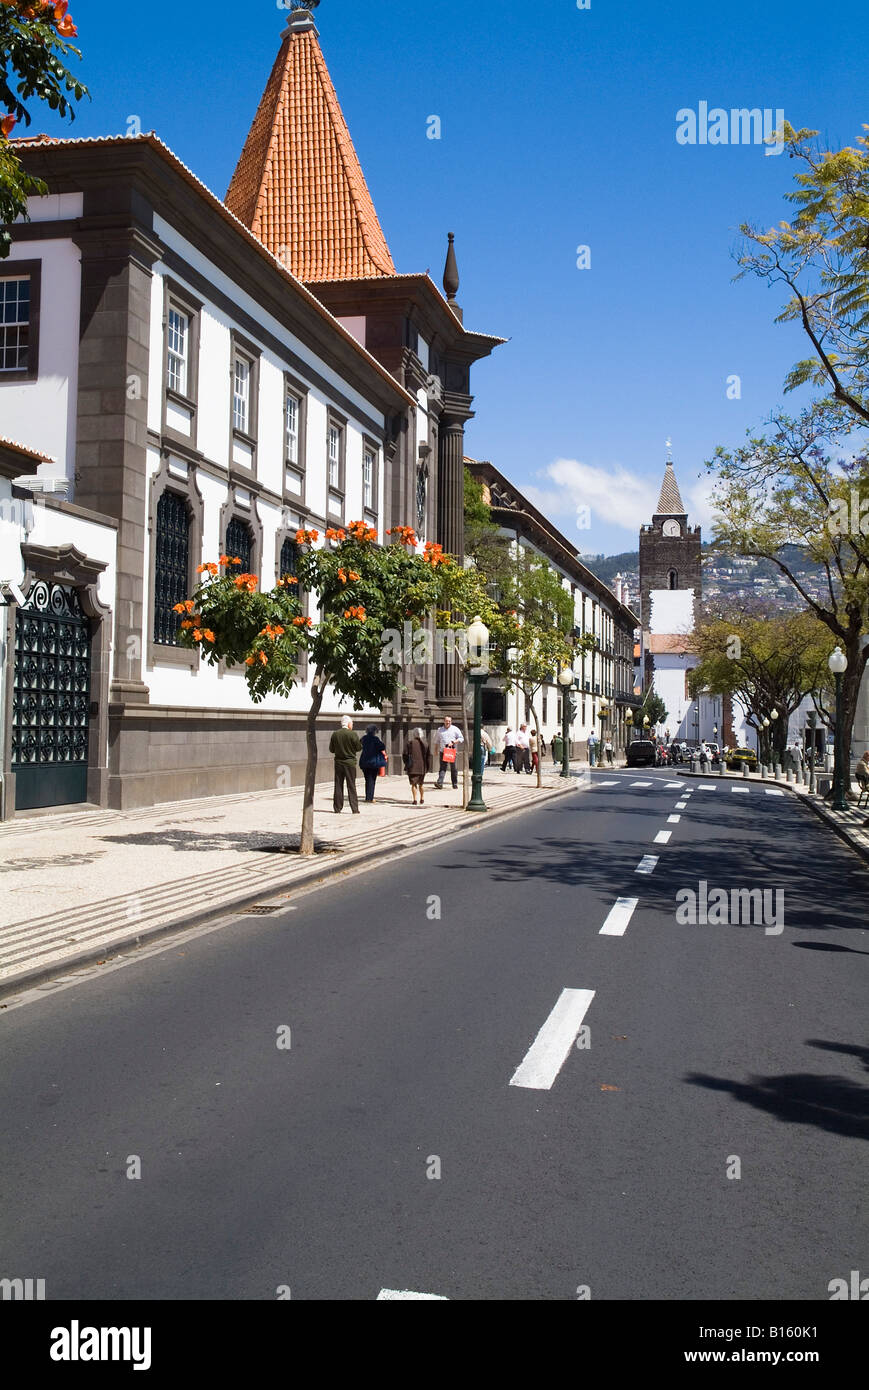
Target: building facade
pixel 603 691
pixel 201 377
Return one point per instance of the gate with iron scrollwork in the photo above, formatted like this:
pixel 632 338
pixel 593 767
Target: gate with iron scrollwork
pixel 51 698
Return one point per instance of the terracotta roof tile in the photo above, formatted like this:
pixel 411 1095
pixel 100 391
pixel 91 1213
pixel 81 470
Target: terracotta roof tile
pixel 299 185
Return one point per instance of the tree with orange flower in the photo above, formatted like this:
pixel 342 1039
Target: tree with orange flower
pixel 363 589
pixel 34 38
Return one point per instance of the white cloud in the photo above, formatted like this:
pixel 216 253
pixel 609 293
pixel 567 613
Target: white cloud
pixel 617 496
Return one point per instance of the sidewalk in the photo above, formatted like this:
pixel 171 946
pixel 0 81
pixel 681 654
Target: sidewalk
pixel 182 862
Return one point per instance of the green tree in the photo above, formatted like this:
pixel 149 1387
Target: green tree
pixel 654 707
pixel 805 481
pixel 365 592
pixel 767 660
pixel 532 632
pixel 33 45
pixel 821 258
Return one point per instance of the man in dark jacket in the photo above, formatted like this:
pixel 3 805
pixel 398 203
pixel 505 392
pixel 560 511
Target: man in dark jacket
pixel 345 746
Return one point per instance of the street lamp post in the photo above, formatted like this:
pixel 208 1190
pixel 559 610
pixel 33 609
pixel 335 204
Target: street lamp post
pixel 774 718
pixel 566 678
pixel 629 720
pixel 838 664
pixel 813 719
pixel 478 643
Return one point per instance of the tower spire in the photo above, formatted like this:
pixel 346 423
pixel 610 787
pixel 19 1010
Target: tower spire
pixel 451 277
pixel 299 185
pixel 670 500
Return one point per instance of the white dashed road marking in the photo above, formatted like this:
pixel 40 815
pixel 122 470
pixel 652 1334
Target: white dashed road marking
pixel 642 784
pixel 548 1052
pixel 681 805
pixel 616 923
pixel 745 790
pixel 663 837
pixel 673 820
pixel 673 786
pixel 386 1294
pixel 605 784
pixel 771 791
pixel 647 864
pixel 707 787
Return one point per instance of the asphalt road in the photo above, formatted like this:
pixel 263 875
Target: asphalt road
pixel 711 1050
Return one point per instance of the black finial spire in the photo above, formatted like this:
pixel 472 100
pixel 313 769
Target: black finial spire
pixel 451 276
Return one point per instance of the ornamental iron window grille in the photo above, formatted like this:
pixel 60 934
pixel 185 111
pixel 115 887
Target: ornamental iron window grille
pixel 239 543
pixel 421 497
pixel 289 560
pixel 51 698
pixel 14 324
pixel 171 566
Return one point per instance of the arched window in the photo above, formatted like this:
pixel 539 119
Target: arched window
pixel 674 579
pixel 239 543
pixel 171 566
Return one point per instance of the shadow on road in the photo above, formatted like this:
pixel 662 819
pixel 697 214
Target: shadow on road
pixel 832 1103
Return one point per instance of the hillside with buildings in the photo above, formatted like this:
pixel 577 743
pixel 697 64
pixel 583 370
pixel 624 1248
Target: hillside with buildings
pixel 727 579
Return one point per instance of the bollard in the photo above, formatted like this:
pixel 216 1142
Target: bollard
pixel 762 767
pixel 721 768
pixel 745 769
pixel 778 774
pixel 790 777
pixel 695 766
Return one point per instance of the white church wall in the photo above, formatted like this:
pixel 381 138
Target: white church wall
pixel 672 611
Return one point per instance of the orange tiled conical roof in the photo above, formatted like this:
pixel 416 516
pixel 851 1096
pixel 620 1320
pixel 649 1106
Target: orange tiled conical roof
pixel 299 185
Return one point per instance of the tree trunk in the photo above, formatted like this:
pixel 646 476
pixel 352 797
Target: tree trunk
pixel 306 844
pixel 539 754
pixel 851 681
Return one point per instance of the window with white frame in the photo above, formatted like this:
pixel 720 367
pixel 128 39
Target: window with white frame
pixel 335 456
pixel 14 324
pixel 291 428
pixel 178 351
pixel 369 477
pixel 241 374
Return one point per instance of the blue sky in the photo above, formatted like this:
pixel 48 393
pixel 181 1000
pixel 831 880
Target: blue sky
pixel 558 130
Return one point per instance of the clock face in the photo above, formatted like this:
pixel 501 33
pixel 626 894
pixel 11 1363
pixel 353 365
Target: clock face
pixel 672 528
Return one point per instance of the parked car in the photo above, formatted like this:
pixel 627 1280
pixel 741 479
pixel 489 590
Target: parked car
pixel 736 758
pixel 641 753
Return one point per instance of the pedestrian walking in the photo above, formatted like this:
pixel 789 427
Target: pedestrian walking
pixel 417 762
pixel 509 750
pixel 373 758
pixel 533 747
pixel 592 749
pixel 485 750
pixel 608 749
pixel 345 746
pixel 557 750
pixel 447 740
pixel 523 749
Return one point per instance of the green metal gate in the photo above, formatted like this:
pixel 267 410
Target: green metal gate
pixel 51 699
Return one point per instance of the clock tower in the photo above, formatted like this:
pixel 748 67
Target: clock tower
pixel 669 550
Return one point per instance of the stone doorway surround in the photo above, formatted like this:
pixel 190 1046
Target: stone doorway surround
pixel 66 565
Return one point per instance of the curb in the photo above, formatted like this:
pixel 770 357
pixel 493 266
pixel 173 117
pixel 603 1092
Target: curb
pixel 27 979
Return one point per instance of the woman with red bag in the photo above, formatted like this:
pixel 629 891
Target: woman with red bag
pixel 372 760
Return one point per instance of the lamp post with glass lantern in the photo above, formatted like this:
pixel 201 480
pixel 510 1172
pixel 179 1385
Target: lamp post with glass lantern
pixel 478 645
pixel 566 677
pixel 838 665
pixel 629 721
